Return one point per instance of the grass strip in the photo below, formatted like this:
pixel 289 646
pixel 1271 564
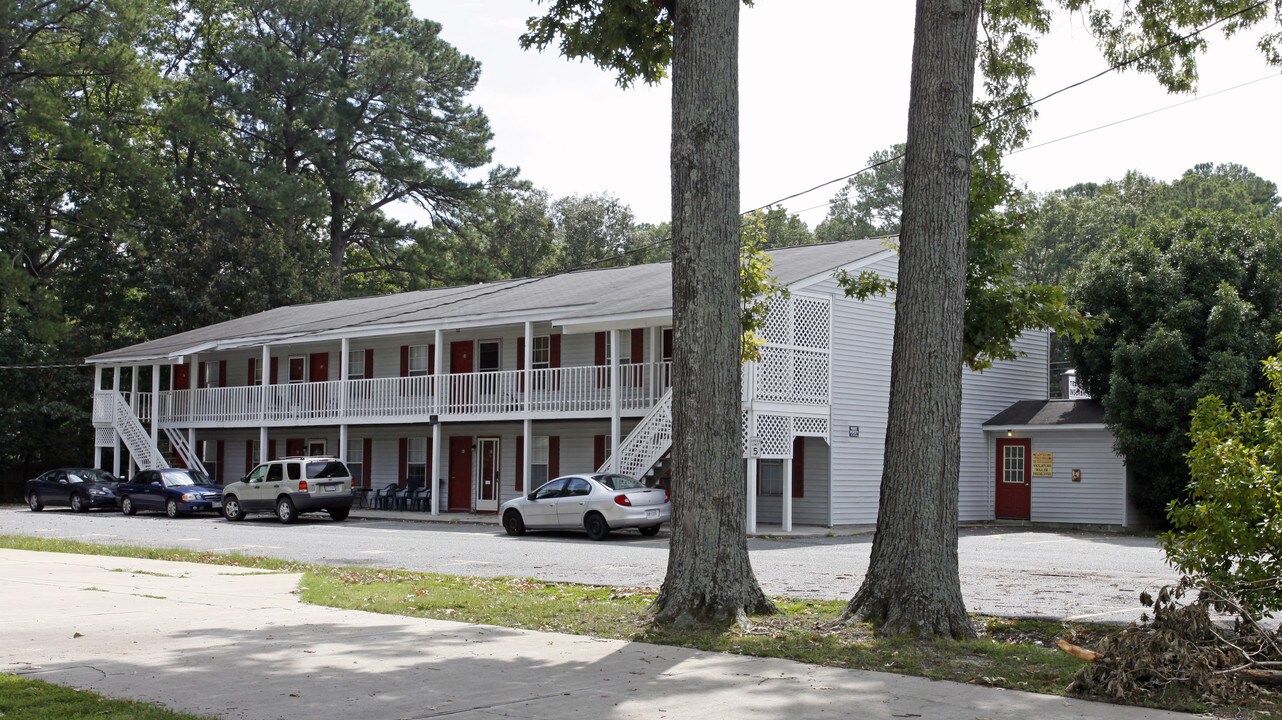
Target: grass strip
pixel 29 699
pixel 1011 653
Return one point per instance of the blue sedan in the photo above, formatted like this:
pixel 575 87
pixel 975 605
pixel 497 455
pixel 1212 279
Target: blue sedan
pixel 174 490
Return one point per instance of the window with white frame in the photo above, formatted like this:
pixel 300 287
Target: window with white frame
pixel 356 365
pixel 418 360
pixel 416 462
pixel 770 478
pixel 541 353
pixel 538 460
pixel 258 370
pixel 211 374
pixel 209 458
pixel 356 461
pixel 487 356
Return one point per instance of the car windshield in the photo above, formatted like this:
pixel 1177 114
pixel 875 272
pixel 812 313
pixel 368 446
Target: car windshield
pixel 83 476
pixel 184 477
pixel 619 482
pixel 326 469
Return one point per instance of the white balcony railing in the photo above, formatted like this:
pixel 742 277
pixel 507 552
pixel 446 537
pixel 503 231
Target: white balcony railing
pixel 551 390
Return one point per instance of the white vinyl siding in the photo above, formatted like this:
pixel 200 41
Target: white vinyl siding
pixel 1098 499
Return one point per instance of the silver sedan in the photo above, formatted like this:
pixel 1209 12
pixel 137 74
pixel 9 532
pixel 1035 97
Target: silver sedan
pixel 596 503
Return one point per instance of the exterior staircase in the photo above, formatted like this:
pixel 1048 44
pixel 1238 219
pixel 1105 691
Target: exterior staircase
pixel 648 442
pixel 135 437
pixel 178 441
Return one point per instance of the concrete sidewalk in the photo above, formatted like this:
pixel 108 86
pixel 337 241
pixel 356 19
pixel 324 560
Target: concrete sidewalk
pixel 237 643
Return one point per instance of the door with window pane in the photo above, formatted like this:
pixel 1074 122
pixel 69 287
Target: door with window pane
pixel 1014 497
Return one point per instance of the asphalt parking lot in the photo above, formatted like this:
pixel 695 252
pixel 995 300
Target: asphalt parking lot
pixel 1006 570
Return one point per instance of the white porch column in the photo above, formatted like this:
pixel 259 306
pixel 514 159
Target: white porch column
pixel 787 495
pixel 97 387
pixel 344 368
pixel 751 527
pixel 155 406
pixel 262 444
pixel 195 380
pixel 437 363
pixel 653 359
pixel 265 388
pixel 342 441
pixel 527 427
pixel 115 450
pixel 133 410
pixel 615 420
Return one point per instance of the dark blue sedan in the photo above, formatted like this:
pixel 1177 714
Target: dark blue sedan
pixel 78 488
pixel 174 490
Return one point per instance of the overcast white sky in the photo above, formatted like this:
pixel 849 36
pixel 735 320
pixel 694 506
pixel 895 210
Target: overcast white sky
pixel 823 84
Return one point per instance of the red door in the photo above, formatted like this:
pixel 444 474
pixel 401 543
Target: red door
pixel 461 386
pixel 295 448
pixel 319 371
pixel 1014 478
pixel 182 376
pixel 460 474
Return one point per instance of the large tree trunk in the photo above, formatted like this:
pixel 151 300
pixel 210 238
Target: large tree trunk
pixel 912 585
pixel 709 577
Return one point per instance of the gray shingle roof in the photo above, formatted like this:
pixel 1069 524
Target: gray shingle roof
pixel 633 290
pixel 1049 412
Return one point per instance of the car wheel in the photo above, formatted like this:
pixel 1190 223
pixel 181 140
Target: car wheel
pixel 596 526
pixel 513 523
pixel 127 506
pixel 171 508
pixel 285 510
pixel 649 530
pixel 78 503
pixel 232 509
pixel 339 514
pixel 33 502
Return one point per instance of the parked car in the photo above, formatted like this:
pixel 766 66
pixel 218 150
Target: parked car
pixel 174 490
pixel 596 503
pixel 79 488
pixel 290 487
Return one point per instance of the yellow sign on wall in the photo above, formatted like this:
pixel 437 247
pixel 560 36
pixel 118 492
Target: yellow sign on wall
pixel 1043 464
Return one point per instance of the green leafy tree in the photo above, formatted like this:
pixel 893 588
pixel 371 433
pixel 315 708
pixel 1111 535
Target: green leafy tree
pixel 1190 305
pixel 709 577
pixel 1226 531
pixel 592 231
pixel 870 203
pixel 780 228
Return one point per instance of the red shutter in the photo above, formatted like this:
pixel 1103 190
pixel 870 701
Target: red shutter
pixel 554 359
pixel 554 455
pixel 249 452
pixel 638 345
pixel 180 377
pixel 369 366
pixel 402 469
pixel 520 365
pixel 367 448
pixel 296 447
pixel 222 373
pixel 249 375
pixel 200 375
pixel 598 451
pixel 271 449
pixel 275 370
pixel 428 470
pixel 799 467
pixel 520 464
pixel 602 374
pixel 405 360
pixel 218 458
pixel 431 359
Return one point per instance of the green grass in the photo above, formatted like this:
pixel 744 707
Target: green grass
pixel 1010 653
pixel 25 699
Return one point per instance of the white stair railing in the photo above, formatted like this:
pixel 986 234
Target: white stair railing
pixel 178 441
pixel 648 441
pixel 134 435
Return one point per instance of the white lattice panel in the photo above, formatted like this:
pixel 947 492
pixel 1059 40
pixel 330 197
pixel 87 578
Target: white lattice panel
pixel 774 375
pixel 774 435
pixel 811 426
pixel 745 430
pixel 810 322
pixel 104 437
pixel 777 327
pixel 810 377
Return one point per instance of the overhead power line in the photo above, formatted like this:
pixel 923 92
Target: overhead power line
pixel 1117 66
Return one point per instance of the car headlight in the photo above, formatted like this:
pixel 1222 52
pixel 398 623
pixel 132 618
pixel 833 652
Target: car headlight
pixel 99 491
pixel 188 497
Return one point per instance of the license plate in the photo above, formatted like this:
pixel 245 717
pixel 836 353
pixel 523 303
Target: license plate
pixel 651 514
pixel 218 506
pixel 331 488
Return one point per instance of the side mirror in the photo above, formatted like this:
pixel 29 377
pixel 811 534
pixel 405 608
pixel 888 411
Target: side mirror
pixel 530 497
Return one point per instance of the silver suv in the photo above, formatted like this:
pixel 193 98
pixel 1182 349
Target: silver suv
pixel 291 486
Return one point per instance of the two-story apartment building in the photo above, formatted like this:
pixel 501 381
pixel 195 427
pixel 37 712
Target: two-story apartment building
pixel 483 392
